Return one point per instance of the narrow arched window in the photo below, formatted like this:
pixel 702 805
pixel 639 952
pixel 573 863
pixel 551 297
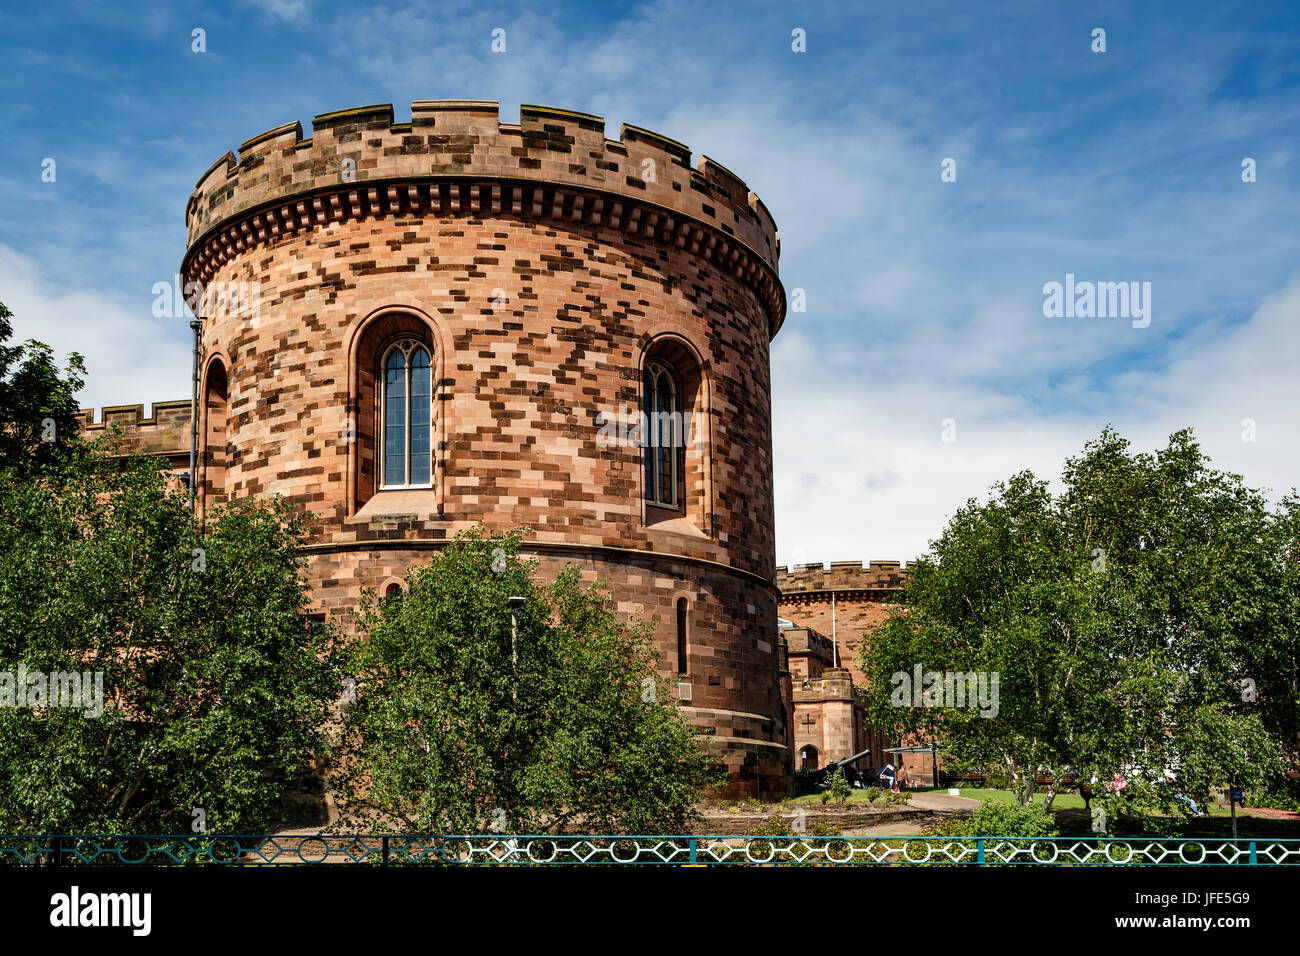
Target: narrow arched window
pixel 663 426
pixel 216 453
pixel 682 659
pixel 406 415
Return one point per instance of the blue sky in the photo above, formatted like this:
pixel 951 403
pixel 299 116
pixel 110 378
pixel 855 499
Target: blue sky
pixel 924 297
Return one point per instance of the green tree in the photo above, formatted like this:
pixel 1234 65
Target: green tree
pixel 840 790
pixel 451 734
pixel 1127 619
pixel 213 691
pixel 38 407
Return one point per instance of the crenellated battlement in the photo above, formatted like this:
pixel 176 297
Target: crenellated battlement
pixel 457 157
pixel 808 579
pixel 166 414
pixel 165 433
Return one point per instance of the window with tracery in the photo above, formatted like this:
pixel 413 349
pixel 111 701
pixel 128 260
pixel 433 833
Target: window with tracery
pixel 664 438
pixel 405 416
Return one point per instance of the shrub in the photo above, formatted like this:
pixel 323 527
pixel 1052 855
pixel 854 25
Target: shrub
pixel 840 790
pixel 1281 796
pixel 952 827
pixel 1010 820
pixel 803 781
pixel 779 824
pixel 996 777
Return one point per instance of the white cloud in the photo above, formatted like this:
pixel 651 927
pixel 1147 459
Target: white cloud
pixel 289 11
pixel 851 433
pixel 131 357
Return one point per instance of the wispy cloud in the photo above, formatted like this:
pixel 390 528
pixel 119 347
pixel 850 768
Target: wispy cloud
pixel 924 297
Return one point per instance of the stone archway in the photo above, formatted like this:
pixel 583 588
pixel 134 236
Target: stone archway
pixel 808 757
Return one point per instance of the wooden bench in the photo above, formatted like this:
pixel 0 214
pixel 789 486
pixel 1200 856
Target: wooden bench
pixel 1070 782
pixel 956 779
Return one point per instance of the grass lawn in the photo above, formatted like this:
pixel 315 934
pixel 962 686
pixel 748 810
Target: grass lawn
pixel 1217 824
pixel 1073 821
pixel 1063 801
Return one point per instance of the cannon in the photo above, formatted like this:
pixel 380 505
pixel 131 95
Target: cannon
pixel 817 779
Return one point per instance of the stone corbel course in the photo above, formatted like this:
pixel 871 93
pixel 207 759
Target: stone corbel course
pixel 456 158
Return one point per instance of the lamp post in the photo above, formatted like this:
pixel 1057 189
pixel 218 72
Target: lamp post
pixel 515 603
pixel 1234 794
pixel 195 326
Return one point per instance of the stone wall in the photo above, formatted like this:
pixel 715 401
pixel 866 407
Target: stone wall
pixel 845 601
pixel 839 606
pixel 542 266
pixel 165 434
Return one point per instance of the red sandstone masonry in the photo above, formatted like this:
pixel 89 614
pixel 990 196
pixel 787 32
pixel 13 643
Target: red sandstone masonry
pixel 824 712
pixel 842 575
pixel 541 269
pixel 457 155
pixel 863 597
pixel 166 434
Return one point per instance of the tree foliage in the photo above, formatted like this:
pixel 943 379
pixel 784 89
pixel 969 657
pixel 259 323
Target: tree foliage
pixel 1142 623
pixel 214 692
pixel 38 407
pixel 448 734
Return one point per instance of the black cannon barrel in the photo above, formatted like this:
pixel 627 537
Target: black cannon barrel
pixel 847 760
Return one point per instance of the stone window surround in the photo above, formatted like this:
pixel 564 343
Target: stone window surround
pixel 423 502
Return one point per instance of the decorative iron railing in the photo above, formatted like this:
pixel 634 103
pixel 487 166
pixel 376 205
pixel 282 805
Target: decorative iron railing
pixel 542 850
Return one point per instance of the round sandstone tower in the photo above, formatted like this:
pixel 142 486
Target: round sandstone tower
pixel 410 328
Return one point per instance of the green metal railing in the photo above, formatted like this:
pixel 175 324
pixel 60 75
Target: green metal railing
pixel 543 850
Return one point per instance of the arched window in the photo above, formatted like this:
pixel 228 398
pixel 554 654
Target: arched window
pixel 682 659
pixel 664 438
pixel 405 416
pixel 215 456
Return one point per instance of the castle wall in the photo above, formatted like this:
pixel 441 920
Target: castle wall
pixel 541 268
pixel 165 434
pixel 864 596
pixel 824 711
pixel 849 600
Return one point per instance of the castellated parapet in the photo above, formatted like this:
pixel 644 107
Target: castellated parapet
pixel 847 600
pixel 164 434
pixel 541 270
pixel 456 156
pixel 841 576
